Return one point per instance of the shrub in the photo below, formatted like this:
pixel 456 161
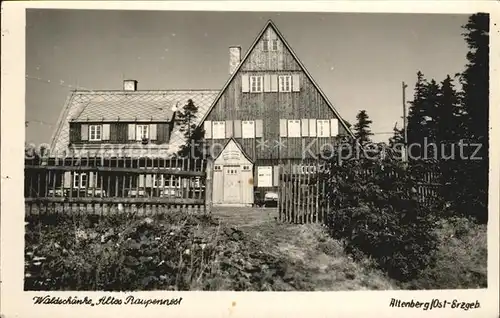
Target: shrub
pixel 376 211
pixel 461 259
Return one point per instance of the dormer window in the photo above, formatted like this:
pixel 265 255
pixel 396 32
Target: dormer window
pixel 142 132
pixel 256 84
pixel 95 133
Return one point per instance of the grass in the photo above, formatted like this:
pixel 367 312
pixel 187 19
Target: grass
pixel 246 250
pixel 243 249
pixel 461 259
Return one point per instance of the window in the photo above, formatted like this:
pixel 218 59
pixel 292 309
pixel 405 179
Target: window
pixel 323 128
pixel 95 132
pixel 142 132
pixel 218 129
pixel 248 129
pixel 274 46
pixel 265 45
pixel 256 84
pixel 79 180
pixel 285 83
pixel 218 168
pixel 294 128
pixel 246 168
pixel 158 181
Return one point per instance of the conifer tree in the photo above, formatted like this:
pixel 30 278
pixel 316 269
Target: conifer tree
pixel 362 131
pixel 193 134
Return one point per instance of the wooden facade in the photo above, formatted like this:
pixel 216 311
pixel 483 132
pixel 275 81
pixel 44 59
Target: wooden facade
pixel 270 108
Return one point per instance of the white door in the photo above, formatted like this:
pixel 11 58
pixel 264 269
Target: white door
pixel 232 181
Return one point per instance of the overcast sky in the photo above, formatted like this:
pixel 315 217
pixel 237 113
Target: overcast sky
pixel 358 59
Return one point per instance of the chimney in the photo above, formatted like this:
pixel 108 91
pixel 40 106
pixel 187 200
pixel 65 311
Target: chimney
pixel 130 85
pixel 234 58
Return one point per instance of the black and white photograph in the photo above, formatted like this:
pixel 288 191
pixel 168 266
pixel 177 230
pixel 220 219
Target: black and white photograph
pixel 255 151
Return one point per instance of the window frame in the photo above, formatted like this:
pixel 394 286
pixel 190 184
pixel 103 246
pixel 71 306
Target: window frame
pixel 78 181
pixel 282 83
pixel 254 79
pixel 95 132
pixel 274 48
pixel 142 128
pixel 265 45
pixel 318 130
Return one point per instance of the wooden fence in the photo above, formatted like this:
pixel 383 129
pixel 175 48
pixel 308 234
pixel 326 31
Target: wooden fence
pixel 100 185
pixel 304 197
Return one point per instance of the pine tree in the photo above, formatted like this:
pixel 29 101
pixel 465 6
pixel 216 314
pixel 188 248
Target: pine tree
pixel 417 124
pixel 193 134
pixel 362 130
pixel 448 114
pixel 472 174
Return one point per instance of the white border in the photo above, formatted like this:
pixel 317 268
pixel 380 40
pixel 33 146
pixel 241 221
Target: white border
pixel 17 303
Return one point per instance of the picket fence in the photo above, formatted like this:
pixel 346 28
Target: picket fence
pixel 100 185
pixel 304 197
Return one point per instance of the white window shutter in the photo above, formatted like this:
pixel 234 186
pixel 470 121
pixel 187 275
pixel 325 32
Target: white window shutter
pixel 207 126
pixel 141 181
pixel 91 179
pixel 296 83
pixel 274 82
pixel 131 131
pixel 245 83
pixel 267 83
pixel 105 132
pixel 67 179
pixel 312 127
pixel 152 132
pixel 334 126
pixel 84 132
pixel 229 128
pixel 283 128
pixel 237 129
pixel 259 128
pixel 305 128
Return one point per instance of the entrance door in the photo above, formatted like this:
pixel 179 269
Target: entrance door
pixel 232 180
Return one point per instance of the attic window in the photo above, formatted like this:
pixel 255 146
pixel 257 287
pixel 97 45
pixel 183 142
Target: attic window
pixel 265 45
pixel 274 46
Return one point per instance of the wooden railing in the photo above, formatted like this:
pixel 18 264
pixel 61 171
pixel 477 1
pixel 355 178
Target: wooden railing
pixel 106 185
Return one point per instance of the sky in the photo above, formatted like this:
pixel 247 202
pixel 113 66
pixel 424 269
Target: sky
pixel 358 59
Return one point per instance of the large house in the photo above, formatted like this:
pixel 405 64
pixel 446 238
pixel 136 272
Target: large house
pixel 270 110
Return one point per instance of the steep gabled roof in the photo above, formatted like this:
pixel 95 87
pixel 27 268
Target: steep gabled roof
pixel 231 139
pixel 94 105
pixel 249 51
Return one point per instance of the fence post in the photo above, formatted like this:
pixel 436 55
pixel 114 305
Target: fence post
pixel 209 186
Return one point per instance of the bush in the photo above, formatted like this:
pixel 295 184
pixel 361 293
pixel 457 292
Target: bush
pixel 376 211
pixel 117 252
pixel 461 259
